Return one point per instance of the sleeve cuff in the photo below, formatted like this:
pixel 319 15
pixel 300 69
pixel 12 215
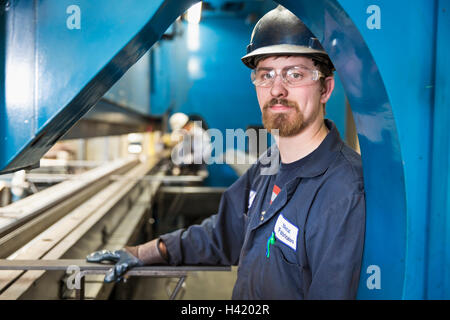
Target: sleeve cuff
pixel 173 244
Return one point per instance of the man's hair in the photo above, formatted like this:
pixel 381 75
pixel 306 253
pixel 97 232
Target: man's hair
pixel 324 69
pixel 327 72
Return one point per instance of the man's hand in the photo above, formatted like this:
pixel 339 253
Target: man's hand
pixel 124 261
pixel 152 252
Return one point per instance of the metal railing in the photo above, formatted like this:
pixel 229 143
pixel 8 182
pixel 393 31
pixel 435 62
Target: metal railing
pixel 83 268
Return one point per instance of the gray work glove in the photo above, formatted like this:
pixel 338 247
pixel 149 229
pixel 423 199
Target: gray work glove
pixel 128 258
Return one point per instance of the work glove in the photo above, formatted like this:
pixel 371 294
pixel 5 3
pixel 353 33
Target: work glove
pixel 128 258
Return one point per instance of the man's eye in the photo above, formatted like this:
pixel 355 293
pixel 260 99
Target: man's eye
pixel 296 75
pixel 265 75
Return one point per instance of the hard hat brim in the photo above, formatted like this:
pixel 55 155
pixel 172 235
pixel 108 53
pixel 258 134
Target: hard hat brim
pixel 278 50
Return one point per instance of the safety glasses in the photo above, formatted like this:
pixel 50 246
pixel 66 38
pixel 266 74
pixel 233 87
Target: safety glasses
pixel 293 76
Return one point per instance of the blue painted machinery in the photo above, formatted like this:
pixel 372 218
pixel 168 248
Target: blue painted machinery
pixel 56 68
pixel 391 57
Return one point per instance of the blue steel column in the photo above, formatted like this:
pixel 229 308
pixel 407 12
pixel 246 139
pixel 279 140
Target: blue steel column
pixel 438 272
pixel 385 244
pixel 17 107
pixel 2 72
pixel 403 50
pixel 389 76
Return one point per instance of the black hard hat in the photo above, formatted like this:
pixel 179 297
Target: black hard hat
pixel 280 32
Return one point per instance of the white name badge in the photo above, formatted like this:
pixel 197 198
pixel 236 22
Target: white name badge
pixel 286 232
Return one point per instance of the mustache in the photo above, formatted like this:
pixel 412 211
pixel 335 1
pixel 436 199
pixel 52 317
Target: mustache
pixel 284 102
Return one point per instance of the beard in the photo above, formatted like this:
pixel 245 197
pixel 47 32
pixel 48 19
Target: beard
pixel 288 123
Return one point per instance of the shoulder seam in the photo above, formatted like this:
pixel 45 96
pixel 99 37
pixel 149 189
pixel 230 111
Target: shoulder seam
pixel 350 164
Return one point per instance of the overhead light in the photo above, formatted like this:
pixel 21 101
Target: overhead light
pixel 134 148
pixel 194 67
pixel 194 13
pixel 193 36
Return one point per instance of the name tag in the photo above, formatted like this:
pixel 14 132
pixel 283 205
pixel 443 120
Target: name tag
pixel 251 197
pixel 286 232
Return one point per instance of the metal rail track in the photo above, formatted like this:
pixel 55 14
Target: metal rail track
pixel 23 220
pixel 108 218
pixel 17 213
pixel 81 269
pixel 64 264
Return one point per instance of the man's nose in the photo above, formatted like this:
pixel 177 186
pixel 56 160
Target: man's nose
pixel 278 89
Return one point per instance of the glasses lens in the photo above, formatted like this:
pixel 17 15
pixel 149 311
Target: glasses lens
pixel 263 77
pixel 296 75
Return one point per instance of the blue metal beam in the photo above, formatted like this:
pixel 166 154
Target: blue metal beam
pixel 55 73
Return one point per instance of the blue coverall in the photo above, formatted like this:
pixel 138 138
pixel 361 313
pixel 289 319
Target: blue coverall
pixel 318 223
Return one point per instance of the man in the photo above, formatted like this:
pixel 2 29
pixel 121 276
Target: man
pixel 193 148
pixel 297 233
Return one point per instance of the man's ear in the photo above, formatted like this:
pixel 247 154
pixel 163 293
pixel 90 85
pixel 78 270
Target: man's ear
pixel 327 89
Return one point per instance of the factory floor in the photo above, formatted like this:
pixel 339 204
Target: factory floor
pixel 216 285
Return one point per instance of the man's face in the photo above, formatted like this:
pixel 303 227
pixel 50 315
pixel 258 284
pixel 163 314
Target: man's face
pixel 289 109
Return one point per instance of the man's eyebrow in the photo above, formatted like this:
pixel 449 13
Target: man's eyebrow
pixel 264 68
pixel 297 65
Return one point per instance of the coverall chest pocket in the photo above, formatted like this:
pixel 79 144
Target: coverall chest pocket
pixel 283 252
pixel 281 274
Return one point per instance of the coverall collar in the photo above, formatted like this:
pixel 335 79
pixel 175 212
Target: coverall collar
pixel 318 161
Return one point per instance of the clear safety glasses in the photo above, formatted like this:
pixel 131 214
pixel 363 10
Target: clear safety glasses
pixel 294 76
